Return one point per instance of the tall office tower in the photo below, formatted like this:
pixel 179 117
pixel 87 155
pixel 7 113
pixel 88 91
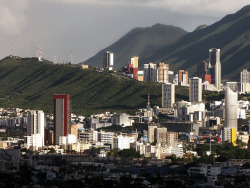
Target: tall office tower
pixel 195 89
pixel 62 117
pixel 108 61
pixel 215 67
pixel 162 73
pixel 202 69
pixel 168 95
pixel 35 129
pixel 245 81
pixel 231 105
pixel 203 72
pixel 182 77
pixel 150 72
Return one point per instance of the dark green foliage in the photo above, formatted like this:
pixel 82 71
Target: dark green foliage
pixel 28 83
pixel 139 42
pixel 129 153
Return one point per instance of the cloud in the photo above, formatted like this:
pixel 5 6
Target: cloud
pixel 12 16
pixel 186 7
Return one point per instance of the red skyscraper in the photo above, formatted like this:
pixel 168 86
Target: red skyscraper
pixel 62 117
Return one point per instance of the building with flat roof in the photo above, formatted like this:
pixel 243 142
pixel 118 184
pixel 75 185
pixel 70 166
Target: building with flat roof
pixel 62 117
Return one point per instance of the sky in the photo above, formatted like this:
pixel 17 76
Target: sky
pixel 78 29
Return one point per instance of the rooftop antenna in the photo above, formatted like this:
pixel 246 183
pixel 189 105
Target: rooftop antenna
pixel 71 59
pixel 54 60
pixel 39 52
pixel 11 49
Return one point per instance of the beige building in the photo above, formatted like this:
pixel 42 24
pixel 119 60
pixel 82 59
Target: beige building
pixel 162 73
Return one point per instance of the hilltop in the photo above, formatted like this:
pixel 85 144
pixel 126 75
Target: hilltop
pixel 28 83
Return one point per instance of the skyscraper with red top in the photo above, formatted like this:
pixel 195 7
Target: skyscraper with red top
pixel 62 116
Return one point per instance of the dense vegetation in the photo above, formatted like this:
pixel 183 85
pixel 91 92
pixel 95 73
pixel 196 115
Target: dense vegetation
pixel 28 83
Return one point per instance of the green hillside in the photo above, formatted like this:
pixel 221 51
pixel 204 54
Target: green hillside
pixel 231 34
pixel 139 42
pixel 28 83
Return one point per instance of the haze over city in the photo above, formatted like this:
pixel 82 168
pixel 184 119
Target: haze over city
pixel 83 27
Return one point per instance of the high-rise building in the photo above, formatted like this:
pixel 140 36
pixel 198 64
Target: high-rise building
pixel 202 69
pixel 151 133
pixel 35 122
pixel 35 129
pixel 195 89
pixel 150 72
pixel 231 105
pixel 168 95
pixel 162 73
pixel 182 77
pixel 245 81
pixel 62 117
pixel 108 61
pixel 215 67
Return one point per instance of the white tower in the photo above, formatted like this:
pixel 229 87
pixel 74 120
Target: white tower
pixel 35 128
pixel 231 105
pixel 215 67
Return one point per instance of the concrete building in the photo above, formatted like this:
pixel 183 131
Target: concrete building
pixel 229 134
pixel 162 73
pixel 195 89
pixel 245 81
pixel 150 72
pixel 88 136
pixel 151 133
pixel 168 95
pixel 122 142
pixel 215 67
pixel 182 77
pixel 231 105
pixel 35 129
pixel 62 117
pixel 161 135
pixel 121 119
pixel 108 61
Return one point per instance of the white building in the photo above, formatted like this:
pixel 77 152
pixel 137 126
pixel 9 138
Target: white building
pixel 122 142
pixel 195 89
pixel 35 141
pixel 35 129
pixel 231 105
pixel 108 61
pixel 215 67
pixel 245 81
pixel 168 95
pixel 121 119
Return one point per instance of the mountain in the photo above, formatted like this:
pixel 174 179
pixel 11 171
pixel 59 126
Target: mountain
pixel 231 34
pixel 138 42
pixel 30 84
